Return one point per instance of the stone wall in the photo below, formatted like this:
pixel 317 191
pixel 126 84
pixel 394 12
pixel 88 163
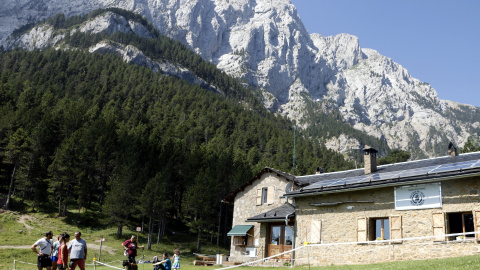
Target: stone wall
pixel 245 207
pixel 338 224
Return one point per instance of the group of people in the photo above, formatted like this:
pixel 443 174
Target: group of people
pixel 130 246
pixel 166 264
pixel 53 256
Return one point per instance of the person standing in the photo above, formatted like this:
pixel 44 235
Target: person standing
pixel 131 247
pixel 176 259
pixel 62 262
pixel 55 248
pixel 45 245
pixel 78 252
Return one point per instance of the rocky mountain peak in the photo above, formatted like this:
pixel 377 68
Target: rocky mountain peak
pixel 265 43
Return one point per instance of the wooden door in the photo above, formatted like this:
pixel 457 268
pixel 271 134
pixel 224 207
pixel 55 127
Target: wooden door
pixel 280 240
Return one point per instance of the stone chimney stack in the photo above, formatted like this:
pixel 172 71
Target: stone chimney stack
pixel 452 150
pixel 370 159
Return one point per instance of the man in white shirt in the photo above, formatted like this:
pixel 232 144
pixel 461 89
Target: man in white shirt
pixel 45 245
pixel 78 252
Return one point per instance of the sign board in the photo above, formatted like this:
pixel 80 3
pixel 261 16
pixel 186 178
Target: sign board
pixel 422 196
pixel 139 229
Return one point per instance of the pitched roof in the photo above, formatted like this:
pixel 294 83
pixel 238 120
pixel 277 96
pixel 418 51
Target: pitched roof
pixel 432 169
pixel 230 197
pixel 274 215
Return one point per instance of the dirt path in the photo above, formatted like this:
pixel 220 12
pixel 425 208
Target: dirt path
pixel 23 219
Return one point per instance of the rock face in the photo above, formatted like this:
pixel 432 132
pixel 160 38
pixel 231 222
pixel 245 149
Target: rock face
pixel 265 43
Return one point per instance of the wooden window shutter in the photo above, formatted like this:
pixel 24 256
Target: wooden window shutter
pixel 303 230
pixel 396 228
pixel 270 195
pixel 250 236
pixel 259 196
pixel 362 229
pixel 476 218
pixel 438 221
pixel 315 231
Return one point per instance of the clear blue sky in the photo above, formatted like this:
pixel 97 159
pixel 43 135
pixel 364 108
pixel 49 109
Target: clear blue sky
pixel 437 41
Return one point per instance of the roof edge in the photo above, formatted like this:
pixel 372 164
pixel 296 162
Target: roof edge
pixel 230 197
pixel 382 185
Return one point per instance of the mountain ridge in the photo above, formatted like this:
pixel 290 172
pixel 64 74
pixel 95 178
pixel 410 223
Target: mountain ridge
pixel 266 45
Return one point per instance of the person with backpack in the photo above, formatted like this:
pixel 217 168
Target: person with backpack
pixel 45 245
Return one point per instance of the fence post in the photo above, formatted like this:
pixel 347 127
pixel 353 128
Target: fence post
pixel 100 252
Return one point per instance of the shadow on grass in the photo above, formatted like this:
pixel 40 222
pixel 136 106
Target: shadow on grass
pixel 86 219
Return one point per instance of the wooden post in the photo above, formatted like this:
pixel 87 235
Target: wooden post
pixel 100 252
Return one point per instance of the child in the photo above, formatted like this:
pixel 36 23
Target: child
pixel 176 259
pixel 166 264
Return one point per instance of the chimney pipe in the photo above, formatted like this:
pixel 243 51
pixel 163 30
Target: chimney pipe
pixel 370 159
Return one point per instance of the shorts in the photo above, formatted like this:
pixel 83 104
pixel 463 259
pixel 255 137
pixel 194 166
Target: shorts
pixel 75 262
pixel 54 258
pixel 44 261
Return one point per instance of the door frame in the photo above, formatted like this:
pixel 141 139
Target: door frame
pixel 281 246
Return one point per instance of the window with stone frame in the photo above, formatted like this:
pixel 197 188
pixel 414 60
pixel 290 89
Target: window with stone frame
pixel 462 222
pixel 379 229
pixel 244 240
pixel 265 195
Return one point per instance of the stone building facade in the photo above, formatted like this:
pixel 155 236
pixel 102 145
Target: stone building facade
pixel 351 218
pixel 404 211
pixel 260 197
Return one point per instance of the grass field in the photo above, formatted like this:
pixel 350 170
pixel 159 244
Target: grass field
pixel 19 231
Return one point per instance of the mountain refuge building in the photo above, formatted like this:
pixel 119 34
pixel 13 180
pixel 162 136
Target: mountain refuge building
pixel 404 211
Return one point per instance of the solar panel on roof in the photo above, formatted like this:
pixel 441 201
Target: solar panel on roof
pixel 453 166
pixel 475 165
pixel 379 176
pixel 358 179
pixel 416 172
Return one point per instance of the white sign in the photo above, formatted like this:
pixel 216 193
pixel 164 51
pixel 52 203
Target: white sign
pixel 418 196
pixel 139 229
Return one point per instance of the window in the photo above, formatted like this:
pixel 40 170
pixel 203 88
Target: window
pixel 264 195
pixel 281 235
pixel 240 240
pixel 275 235
pixel 288 236
pixel 379 229
pixel 460 223
pixel 242 235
